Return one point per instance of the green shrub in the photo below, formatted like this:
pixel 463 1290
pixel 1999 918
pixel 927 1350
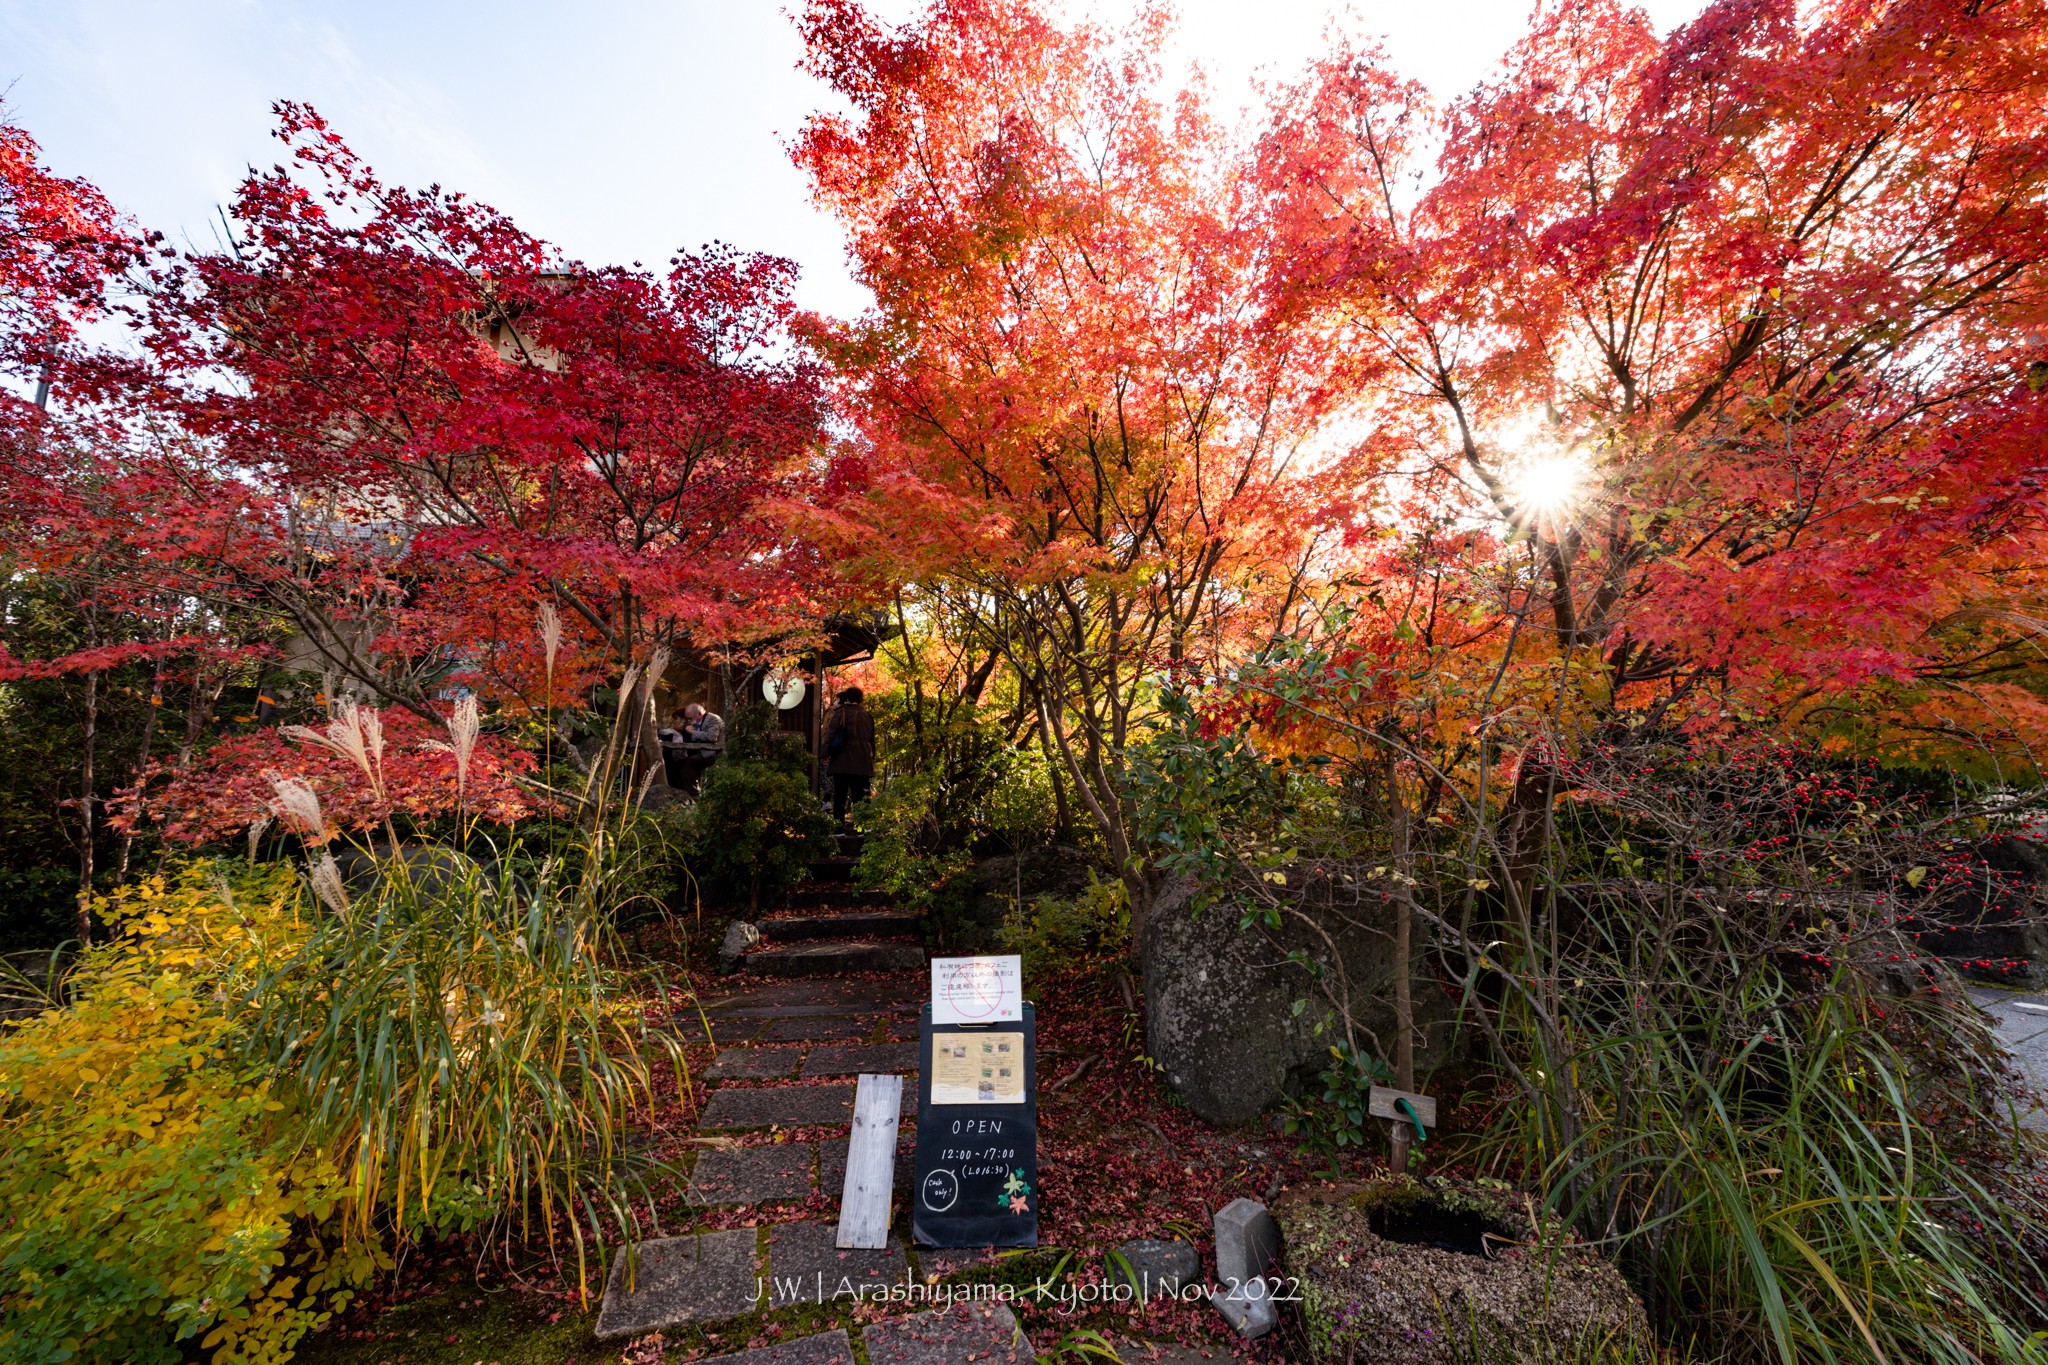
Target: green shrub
pixel 758 826
pixel 901 851
pixel 152 1182
pixel 1053 932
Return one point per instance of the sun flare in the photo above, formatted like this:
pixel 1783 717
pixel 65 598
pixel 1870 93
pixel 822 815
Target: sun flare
pixel 1550 484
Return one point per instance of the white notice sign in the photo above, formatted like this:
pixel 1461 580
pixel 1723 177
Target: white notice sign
pixel 977 990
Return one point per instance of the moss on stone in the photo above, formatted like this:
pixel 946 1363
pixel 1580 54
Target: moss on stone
pixel 1537 1295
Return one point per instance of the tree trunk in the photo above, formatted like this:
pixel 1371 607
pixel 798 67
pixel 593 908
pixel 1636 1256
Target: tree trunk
pixel 1404 976
pixel 85 820
pixel 156 701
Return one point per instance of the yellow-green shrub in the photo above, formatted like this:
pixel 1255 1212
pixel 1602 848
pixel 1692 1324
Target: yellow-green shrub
pixel 151 1185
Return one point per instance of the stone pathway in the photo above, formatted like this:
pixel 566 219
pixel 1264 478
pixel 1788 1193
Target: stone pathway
pixel 792 1033
pixel 2021 1022
pixel 788 1053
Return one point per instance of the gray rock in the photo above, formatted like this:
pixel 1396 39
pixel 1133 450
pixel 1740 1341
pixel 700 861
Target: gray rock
pixel 821 1348
pixel 426 870
pixel 787 1105
pixel 751 1175
pixel 1247 1308
pixel 1160 1267
pixel 949 1336
pixel 705 1277
pixel 990 889
pixel 1219 1002
pixel 804 1266
pixel 1247 1243
pixel 739 937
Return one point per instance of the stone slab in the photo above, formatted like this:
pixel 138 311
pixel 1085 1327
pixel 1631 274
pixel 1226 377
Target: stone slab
pixel 949 1336
pixel 751 1175
pixel 883 1059
pixel 1247 1243
pixel 805 1267
pixel 815 996
pixel 755 1064
pixel 822 1348
pixel 704 1277
pixel 1159 1267
pixel 822 1028
pixel 724 1032
pixel 787 1105
pixel 832 1163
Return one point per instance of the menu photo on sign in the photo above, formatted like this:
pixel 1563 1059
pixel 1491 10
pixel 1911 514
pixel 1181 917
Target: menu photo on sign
pixel 978 1068
pixel 977 990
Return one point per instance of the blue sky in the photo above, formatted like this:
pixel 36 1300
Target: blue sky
pixel 618 129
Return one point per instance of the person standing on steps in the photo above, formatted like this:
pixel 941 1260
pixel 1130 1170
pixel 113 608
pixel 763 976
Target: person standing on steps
pixel 850 750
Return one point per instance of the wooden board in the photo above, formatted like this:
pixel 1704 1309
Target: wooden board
pixel 870 1163
pixel 1380 1104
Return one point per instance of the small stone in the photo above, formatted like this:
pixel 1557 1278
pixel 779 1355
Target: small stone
pixel 704 1277
pixel 821 1348
pixel 739 936
pixel 883 1059
pixel 751 1175
pixel 949 1336
pixel 1247 1309
pixel 1247 1243
pixel 1159 1267
pixel 804 1266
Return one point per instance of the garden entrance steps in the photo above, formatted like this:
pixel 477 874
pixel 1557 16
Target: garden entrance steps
pixel 829 928
pixel 833 957
pixel 859 921
pixel 811 896
pixel 833 870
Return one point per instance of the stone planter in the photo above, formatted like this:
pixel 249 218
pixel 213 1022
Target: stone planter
pixel 1445 1272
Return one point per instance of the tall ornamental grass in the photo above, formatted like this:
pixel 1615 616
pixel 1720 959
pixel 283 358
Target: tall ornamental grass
pixel 1729 1061
pixel 465 1045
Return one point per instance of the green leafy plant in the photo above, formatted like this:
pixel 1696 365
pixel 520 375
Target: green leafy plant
pixel 1051 931
pixel 757 824
pixel 1339 1118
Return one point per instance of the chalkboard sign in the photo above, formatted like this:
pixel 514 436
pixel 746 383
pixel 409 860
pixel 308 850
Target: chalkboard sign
pixel 977 1134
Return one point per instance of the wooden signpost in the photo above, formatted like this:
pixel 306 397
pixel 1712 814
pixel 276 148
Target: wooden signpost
pixel 977 1110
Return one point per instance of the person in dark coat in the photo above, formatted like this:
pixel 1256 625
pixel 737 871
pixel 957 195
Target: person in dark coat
pixel 850 750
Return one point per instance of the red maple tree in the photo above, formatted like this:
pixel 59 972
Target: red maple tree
pixel 1737 334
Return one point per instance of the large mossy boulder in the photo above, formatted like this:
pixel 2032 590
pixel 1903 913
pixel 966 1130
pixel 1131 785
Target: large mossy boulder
pixel 1220 1001
pixel 1434 1271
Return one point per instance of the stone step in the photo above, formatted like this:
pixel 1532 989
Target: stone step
pixel 804 896
pixel 876 923
pixel 832 870
pixel 832 957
